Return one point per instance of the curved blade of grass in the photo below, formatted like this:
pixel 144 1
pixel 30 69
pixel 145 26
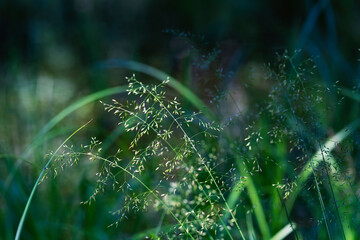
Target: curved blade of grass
pixel 161 76
pixel 39 138
pixel 284 232
pixel 22 220
pixel 73 107
pixel 330 144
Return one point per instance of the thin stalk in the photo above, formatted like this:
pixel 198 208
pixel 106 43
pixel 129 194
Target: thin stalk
pixel 22 220
pixel 39 138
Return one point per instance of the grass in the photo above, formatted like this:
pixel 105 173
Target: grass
pixel 40 137
pixel 40 178
pixel 181 173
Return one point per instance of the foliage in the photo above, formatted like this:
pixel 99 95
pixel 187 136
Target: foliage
pixel 215 145
pixel 201 178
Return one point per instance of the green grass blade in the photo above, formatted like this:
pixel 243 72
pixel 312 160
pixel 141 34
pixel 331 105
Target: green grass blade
pixel 60 116
pixel 22 220
pixel 284 232
pixel 161 76
pixel 73 107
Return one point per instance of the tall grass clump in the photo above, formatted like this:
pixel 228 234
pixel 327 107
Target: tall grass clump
pixel 270 165
pixel 276 170
pixel 294 128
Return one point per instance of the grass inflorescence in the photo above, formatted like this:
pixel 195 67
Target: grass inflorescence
pixel 272 171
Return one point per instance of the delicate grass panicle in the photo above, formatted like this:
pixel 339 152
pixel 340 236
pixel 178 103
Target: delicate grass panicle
pixel 185 185
pixel 272 172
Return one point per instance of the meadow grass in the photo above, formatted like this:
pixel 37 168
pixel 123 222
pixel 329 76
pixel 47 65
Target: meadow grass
pixel 201 179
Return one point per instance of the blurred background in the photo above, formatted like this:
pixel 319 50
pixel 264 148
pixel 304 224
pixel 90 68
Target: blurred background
pixel 54 53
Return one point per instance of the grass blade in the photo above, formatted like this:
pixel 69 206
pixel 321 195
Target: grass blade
pixel 60 116
pixel 22 220
pixel 284 232
pixel 161 76
pixel 73 107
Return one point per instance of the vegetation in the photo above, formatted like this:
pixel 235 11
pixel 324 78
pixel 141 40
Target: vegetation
pixel 241 150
